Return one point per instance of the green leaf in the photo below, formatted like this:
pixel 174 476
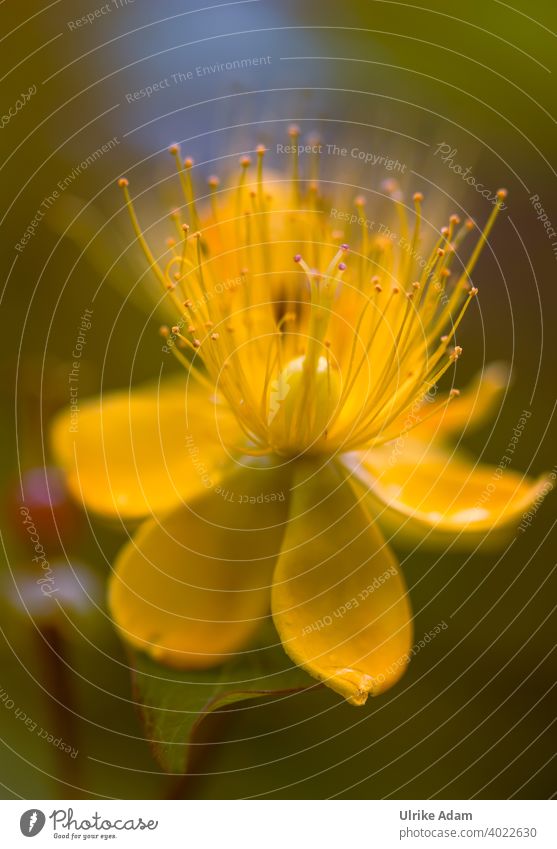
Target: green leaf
pixel 174 702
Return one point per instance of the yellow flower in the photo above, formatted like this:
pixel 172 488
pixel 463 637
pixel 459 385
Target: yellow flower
pixel 304 423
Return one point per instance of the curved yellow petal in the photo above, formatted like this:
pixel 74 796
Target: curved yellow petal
pixel 433 496
pixel 476 404
pixel 192 589
pixel 339 602
pixel 140 452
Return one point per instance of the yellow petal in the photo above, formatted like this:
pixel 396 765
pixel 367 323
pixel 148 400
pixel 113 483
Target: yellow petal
pixel 433 496
pixel 476 404
pixel 192 589
pixel 339 602
pixel 134 453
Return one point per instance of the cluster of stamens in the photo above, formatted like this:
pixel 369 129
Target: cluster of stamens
pixel 315 347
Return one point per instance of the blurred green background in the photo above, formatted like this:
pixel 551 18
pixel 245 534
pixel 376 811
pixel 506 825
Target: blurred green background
pixel 474 715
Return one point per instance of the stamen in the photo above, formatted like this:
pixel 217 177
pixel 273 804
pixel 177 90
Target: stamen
pixel 184 170
pixel 501 195
pixel 294 133
pixel 153 264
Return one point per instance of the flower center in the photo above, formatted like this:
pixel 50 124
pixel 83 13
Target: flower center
pixel 327 353
pixel 302 401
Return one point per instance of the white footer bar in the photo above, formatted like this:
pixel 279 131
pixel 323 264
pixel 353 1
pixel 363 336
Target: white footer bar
pixel 286 824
